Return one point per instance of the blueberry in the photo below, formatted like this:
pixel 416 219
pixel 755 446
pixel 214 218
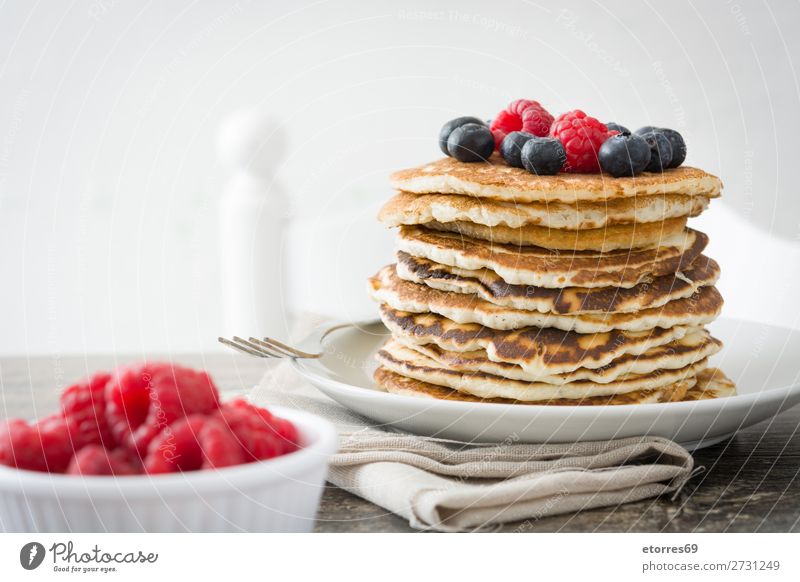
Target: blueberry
pixel 543 156
pixel 471 143
pixel 646 129
pixel 660 151
pixel 678 146
pixel 617 127
pixel 448 128
pixel 511 148
pixel 624 155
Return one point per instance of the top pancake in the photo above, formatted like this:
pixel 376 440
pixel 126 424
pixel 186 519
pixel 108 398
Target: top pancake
pixel 500 181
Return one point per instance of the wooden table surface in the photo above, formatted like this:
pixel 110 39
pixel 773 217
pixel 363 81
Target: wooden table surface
pixel 750 483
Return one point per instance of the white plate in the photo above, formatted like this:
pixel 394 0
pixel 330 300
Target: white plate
pixel 763 360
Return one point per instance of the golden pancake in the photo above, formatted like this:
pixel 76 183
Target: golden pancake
pixel 398 384
pixel 489 286
pixel 711 383
pixel 694 346
pixel 495 179
pixel 407 208
pixel 538 351
pixel 402 360
pixel 549 268
pixel 609 238
pixel 386 287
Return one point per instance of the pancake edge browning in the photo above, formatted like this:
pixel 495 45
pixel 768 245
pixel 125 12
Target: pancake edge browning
pixel 487 285
pixel 397 384
pixel 539 351
pixel 609 238
pixel 386 287
pixel 550 268
pixel 693 347
pixel 406 208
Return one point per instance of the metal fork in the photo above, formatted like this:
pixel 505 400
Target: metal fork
pixel 267 347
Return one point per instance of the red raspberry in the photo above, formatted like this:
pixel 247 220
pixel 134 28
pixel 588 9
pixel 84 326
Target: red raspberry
pixel 252 430
pixel 220 447
pixel 581 137
pixel 261 434
pixel 287 432
pixel 521 115
pixel 175 447
pixel 95 460
pixel 84 407
pixel 141 401
pixel 56 437
pixel 20 446
pixel 46 446
pixel 193 443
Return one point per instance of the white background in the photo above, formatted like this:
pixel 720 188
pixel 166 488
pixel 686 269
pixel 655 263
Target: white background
pixel 109 111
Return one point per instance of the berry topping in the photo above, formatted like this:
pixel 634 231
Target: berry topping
pixel 471 142
pixel 84 407
pixel 544 156
pixel 660 151
pixel 581 137
pixel 678 147
pixel 624 155
pixel 621 129
pixel 95 460
pixel 521 115
pixel 141 401
pixel 448 128
pixel 511 148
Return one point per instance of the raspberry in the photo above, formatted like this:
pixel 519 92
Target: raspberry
pixel 141 401
pixel 95 460
pixel 20 446
pixel 521 115
pixel 581 137
pixel 287 432
pixel 220 447
pixel 84 406
pixel 262 435
pixel 46 446
pixel 56 438
pixel 252 429
pixel 193 443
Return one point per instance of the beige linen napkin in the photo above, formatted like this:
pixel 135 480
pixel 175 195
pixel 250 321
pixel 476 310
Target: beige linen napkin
pixel 450 486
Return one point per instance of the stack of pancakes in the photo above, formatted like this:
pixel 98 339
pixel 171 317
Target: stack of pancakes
pixel 567 289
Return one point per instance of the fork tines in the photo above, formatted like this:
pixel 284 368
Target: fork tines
pixel 265 348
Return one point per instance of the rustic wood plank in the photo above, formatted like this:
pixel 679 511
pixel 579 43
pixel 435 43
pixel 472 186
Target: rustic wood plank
pixel 751 483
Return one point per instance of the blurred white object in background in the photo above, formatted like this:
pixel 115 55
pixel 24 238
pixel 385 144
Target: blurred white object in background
pixel 252 213
pixel 330 257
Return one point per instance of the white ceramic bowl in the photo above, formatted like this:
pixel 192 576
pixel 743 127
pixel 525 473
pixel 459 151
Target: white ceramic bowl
pixel 277 495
